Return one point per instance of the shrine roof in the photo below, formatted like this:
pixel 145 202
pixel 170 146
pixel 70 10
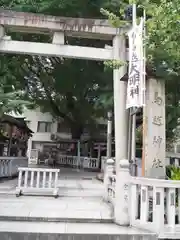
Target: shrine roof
pixel 19 122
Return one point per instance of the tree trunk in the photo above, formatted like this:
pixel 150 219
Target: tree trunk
pixel 76 131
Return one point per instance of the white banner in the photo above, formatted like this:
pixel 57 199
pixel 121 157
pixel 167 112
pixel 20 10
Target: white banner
pixel 136 75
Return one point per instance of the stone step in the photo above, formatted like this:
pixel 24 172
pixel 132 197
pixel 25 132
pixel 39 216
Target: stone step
pixel 70 231
pixel 87 219
pixel 48 209
pixel 61 193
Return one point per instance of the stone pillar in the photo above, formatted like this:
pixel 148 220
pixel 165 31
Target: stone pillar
pixel 78 154
pixel 121 206
pixel 154 129
pixel 99 152
pixel 29 149
pixel 121 215
pixel 108 172
pixel 120 112
pixel 2 32
pixel 109 135
pixel 58 38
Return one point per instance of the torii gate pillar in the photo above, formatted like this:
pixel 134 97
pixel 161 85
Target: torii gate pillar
pixel 121 212
pixel 120 112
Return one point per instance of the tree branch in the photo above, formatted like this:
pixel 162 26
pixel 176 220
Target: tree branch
pixel 54 105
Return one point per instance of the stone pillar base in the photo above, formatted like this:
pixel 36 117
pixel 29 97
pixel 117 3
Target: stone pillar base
pixel 121 207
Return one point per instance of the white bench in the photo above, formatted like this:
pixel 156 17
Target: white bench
pixel 37 180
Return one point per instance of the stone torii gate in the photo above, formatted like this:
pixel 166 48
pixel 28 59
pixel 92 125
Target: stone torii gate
pixel 58 28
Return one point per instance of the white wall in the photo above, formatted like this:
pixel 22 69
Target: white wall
pixel 33 116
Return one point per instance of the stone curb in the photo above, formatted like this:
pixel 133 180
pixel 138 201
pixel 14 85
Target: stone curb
pixel 56 219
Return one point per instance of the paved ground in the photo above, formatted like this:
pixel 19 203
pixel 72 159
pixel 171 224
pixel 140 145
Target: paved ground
pixel 69 179
pixel 78 213
pixel 77 209
pixel 81 197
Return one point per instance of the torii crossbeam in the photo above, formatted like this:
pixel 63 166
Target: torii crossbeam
pixel 57 27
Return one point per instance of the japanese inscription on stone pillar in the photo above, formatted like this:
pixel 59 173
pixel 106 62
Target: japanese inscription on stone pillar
pixel 154 139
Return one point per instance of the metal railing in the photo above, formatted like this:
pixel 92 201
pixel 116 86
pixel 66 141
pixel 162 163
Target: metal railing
pixel 9 165
pixel 38 180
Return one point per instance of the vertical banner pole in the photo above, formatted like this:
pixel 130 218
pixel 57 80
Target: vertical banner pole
pixel 136 78
pixel 144 99
pixel 133 121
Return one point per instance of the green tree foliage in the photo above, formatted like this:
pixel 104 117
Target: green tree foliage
pixel 162 49
pixel 69 89
pixel 12 96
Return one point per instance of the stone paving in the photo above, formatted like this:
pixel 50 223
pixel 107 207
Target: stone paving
pixel 78 213
pixel 77 209
pixel 70 179
pixel 80 198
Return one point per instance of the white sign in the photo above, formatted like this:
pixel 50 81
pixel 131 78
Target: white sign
pixel 136 75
